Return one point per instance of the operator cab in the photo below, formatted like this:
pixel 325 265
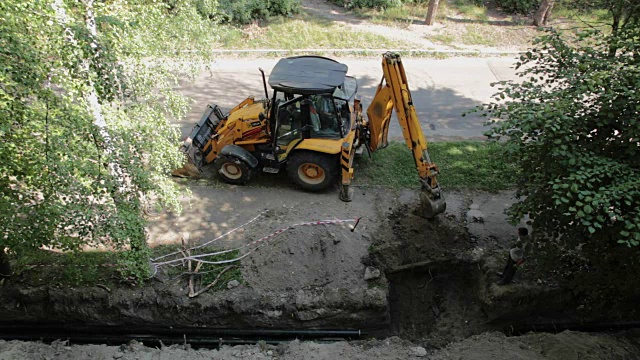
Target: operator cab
pixel 310 100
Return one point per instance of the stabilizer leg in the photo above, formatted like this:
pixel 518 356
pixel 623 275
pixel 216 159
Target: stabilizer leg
pixel 346 193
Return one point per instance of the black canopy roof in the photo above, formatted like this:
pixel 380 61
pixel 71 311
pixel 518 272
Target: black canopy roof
pixel 307 75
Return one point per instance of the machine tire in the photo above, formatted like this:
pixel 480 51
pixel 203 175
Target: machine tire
pixel 233 170
pixel 323 167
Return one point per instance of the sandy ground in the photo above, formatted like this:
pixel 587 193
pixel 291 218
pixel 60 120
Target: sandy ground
pixel 315 256
pixel 415 33
pixel 491 346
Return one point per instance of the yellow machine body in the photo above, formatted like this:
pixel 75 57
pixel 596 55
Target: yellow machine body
pixel 287 131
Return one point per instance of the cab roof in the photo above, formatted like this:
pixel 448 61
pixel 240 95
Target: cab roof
pixel 307 75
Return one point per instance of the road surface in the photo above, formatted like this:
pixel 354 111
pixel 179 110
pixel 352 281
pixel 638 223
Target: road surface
pixel 442 89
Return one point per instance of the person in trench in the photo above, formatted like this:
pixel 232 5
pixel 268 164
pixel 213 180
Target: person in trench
pixel 515 258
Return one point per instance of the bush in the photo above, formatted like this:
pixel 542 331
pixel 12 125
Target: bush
pixel 284 7
pixel 207 8
pixel 572 125
pixel 246 11
pixel 518 6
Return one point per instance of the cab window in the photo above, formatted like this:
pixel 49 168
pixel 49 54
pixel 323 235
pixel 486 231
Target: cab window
pixel 324 117
pixel 289 124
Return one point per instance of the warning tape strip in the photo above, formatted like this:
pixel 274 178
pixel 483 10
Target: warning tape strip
pixel 260 242
pixel 212 241
pixel 263 239
pixel 57 265
pixel 321 222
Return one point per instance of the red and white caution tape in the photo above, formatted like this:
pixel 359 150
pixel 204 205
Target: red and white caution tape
pixel 214 240
pixel 257 243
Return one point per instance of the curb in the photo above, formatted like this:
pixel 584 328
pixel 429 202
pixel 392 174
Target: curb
pixel 366 51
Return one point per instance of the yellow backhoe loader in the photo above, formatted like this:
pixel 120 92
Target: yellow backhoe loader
pixel 311 127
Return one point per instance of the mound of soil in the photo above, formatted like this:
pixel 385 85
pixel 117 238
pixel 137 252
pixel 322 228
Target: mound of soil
pixel 491 346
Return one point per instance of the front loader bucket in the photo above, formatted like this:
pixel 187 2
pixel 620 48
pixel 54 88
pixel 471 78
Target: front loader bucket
pixel 189 170
pixel 194 145
pixel 432 202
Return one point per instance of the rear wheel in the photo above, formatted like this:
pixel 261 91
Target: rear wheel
pixel 313 171
pixel 233 170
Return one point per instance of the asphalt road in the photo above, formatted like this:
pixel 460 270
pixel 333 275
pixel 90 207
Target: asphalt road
pixel 442 89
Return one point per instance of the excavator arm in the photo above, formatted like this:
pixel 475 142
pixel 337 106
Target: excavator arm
pixel 393 92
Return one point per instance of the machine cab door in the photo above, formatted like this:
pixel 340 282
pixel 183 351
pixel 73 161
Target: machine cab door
pixel 289 124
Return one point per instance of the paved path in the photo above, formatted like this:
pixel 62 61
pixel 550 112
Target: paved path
pixel 442 89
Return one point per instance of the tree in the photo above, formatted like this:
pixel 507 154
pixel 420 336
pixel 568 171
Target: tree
pixel 574 126
pixel 624 13
pixel 541 16
pixel 86 94
pixel 432 12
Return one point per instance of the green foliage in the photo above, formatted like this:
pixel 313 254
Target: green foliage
pixel 207 8
pixel 74 171
pixel 518 6
pixel 573 126
pixel 246 11
pixel 378 4
pixel 75 268
pixel 472 9
pixel 284 7
pixel 469 165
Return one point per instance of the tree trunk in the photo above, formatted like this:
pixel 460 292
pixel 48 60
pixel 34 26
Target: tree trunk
pixel 544 12
pixel 118 173
pixel 5 267
pixel 431 13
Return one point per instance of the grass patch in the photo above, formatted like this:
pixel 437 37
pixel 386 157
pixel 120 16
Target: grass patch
pixel 592 17
pixel 394 16
pixel 471 10
pixel 300 32
pixel 91 268
pixel 207 272
pixel 445 39
pixel 469 165
pixel 477 35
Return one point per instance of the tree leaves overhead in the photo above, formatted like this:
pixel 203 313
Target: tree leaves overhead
pixel 56 188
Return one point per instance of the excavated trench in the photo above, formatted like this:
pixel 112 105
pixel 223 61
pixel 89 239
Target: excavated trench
pixel 432 289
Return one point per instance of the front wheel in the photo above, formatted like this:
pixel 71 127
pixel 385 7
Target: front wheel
pixel 233 170
pixel 313 171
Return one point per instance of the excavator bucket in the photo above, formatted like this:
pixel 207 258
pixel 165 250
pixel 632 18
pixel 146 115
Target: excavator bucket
pixel 432 201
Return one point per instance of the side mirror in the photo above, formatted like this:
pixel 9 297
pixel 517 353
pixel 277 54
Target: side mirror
pixel 261 116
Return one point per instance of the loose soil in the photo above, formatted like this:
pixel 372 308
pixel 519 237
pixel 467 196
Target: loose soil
pixel 491 346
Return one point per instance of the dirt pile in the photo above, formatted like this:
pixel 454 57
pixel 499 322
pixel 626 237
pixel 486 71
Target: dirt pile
pixel 490 346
